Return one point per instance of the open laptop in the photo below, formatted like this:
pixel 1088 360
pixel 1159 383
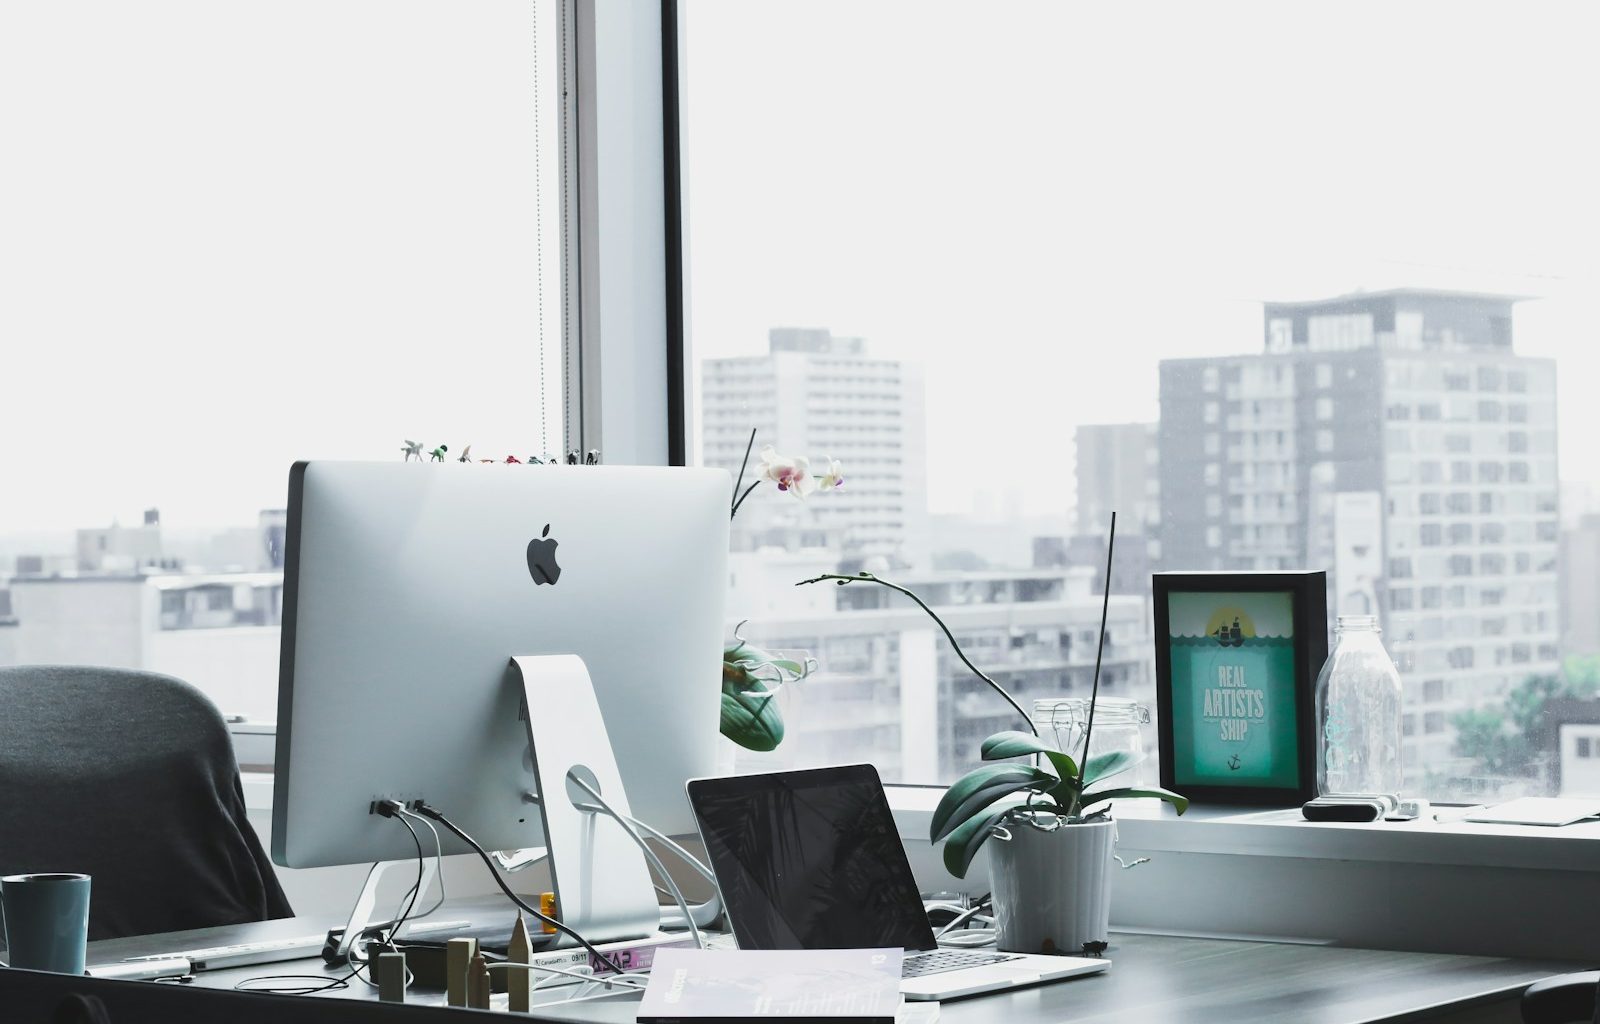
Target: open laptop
pixel 811 860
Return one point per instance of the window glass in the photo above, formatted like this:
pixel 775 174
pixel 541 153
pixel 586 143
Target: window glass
pixel 233 236
pixel 1016 270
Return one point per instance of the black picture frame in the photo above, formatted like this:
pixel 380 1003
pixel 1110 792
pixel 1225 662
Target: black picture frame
pixel 1181 736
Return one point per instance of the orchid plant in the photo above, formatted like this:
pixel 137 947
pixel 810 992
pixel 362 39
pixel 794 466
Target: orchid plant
pixel 792 474
pixel 751 676
pixel 1044 796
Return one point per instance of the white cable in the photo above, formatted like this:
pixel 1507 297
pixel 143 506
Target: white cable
pixel 961 918
pixel 438 863
pixel 703 914
pixel 969 937
pixel 688 858
pixel 622 820
pixel 677 893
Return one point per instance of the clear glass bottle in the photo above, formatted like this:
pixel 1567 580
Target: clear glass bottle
pixel 1118 725
pixel 1358 714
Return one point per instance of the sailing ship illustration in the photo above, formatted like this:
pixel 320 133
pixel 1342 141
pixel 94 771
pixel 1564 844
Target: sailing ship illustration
pixel 1229 636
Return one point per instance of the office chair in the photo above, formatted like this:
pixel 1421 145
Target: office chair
pixel 1563 999
pixel 129 777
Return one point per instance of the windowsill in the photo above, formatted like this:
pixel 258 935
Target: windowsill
pixel 1428 886
pixel 1151 826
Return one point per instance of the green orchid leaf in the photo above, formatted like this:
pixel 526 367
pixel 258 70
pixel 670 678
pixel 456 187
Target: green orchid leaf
pixel 1012 743
pixel 1066 792
pixel 1103 766
pixel 1018 744
pixel 1135 792
pixel 752 720
pixel 981 787
pixel 965 841
pixel 794 668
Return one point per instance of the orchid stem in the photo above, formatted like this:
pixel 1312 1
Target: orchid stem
pixel 753 485
pixel 743 464
pixel 867 577
pixel 1094 694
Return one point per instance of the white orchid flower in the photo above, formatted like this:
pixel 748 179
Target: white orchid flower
pixel 792 474
pixel 834 477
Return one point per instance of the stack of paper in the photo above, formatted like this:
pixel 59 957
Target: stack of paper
pixel 841 986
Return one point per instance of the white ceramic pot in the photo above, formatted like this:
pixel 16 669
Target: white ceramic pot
pixel 1052 889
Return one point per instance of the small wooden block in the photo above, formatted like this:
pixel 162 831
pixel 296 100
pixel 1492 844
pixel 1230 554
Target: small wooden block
pixel 519 983
pixel 478 983
pixel 390 972
pixel 458 957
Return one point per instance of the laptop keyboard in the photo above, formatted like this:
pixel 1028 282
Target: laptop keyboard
pixel 917 965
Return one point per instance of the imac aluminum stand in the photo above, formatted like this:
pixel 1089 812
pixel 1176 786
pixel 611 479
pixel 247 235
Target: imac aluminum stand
pixel 601 881
pixel 337 949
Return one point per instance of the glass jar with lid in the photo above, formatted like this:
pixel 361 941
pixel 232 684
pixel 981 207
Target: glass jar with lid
pixel 1119 724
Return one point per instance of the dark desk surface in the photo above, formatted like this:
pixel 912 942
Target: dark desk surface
pixel 1155 979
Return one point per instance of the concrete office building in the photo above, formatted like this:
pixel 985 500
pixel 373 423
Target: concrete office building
pixel 121 548
pixel 219 632
pixel 820 395
pixel 1116 470
pixel 891 690
pixel 1580 587
pixel 1398 440
pixel 1573 737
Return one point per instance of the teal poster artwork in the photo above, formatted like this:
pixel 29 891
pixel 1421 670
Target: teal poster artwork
pixel 1233 688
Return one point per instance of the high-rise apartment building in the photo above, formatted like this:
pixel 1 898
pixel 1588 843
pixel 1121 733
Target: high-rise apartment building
pixel 820 395
pixel 1116 471
pixel 1396 439
pixel 1580 587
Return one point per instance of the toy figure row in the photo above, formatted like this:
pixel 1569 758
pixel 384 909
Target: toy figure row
pixel 413 450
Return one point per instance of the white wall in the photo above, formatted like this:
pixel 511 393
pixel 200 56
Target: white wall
pixel 1580 776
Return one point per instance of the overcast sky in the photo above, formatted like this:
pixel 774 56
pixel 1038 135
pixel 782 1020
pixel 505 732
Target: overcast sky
pixel 1040 201
pixel 234 236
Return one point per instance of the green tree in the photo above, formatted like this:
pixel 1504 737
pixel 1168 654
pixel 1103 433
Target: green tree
pixel 1508 741
pixel 1482 735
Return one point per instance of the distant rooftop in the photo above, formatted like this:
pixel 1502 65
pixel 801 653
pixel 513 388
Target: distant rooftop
pixel 1397 318
pixel 1386 294
pixel 815 341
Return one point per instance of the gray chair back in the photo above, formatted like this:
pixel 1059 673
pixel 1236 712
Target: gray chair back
pixel 130 777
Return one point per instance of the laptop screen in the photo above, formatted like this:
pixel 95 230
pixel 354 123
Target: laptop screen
pixel 810 860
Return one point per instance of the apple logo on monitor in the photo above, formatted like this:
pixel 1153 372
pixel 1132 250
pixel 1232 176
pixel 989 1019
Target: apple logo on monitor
pixel 542 559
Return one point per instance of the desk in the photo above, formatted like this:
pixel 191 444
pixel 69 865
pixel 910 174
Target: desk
pixel 1156 979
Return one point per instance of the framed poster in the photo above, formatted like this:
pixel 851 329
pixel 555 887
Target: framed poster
pixel 1237 657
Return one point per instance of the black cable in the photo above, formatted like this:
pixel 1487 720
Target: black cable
pixel 429 812
pixel 356 963
pixel 416 890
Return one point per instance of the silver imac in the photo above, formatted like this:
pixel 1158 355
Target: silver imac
pixel 408 587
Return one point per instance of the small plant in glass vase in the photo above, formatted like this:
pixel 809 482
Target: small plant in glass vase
pixel 1050 867
pixel 752 678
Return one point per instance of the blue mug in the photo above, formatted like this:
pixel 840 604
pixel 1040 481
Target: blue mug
pixel 46 921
